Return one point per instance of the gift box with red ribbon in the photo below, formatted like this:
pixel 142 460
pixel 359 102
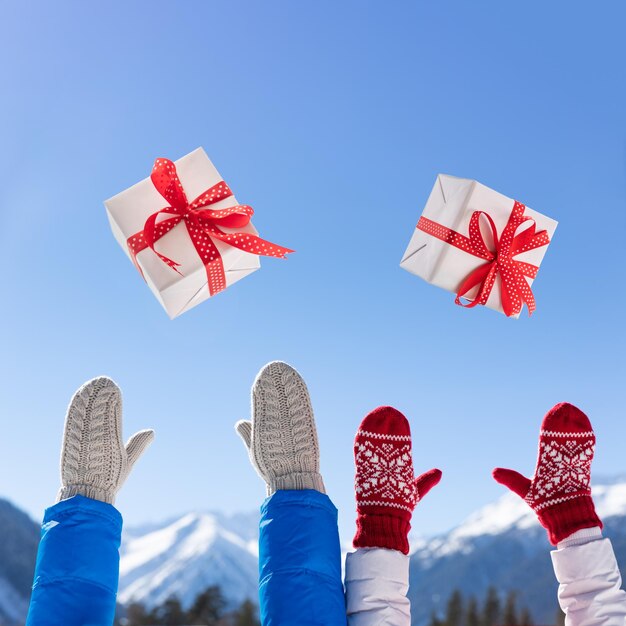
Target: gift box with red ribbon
pixel 185 232
pixel 479 244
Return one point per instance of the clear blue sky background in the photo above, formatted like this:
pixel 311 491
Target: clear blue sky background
pixel 332 119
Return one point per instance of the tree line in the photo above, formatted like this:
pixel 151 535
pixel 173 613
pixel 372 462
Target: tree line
pixel 462 611
pixel 468 612
pixel 208 609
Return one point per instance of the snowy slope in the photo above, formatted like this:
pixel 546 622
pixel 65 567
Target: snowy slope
pixel 500 544
pixel 510 513
pixel 185 556
pixel 20 536
pixel 13 605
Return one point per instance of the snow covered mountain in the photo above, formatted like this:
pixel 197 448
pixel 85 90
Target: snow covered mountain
pixel 20 536
pixel 183 557
pixel 501 544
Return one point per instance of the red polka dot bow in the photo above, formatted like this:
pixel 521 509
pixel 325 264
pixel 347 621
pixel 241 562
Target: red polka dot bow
pixel 203 225
pixel 514 287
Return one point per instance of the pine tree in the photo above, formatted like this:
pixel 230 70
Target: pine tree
pixel 560 617
pixel 491 608
pixel 246 615
pixel 207 608
pixel 170 613
pixel 510 610
pixel 136 615
pixel 471 613
pixel 434 620
pixel 526 618
pixel 454 610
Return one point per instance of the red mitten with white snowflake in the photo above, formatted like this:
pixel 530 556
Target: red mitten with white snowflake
pixel 559 491
pixel 386 488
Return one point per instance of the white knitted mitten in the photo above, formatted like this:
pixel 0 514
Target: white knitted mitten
pixel 94 461
pixel 282 438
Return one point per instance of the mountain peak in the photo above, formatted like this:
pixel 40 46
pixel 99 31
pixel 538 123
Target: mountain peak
pixel 184 556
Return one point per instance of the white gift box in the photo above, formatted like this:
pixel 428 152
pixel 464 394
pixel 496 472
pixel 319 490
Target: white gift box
pixel 177 293
pixel 451 204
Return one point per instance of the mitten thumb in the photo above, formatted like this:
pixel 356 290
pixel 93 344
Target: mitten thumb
pixel 244 430
pixel 137 445
pixel 425 482
pixel 513 480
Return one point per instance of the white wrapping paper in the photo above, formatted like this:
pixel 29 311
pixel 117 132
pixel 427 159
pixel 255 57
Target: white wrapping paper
pixel 128 211
pixel 451 204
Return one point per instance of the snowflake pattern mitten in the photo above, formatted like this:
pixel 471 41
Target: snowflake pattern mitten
pixel 559 492
pixel 386 488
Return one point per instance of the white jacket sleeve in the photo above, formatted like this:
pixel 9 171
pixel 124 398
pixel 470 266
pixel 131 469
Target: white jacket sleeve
pixel 377 581
pixel 589 585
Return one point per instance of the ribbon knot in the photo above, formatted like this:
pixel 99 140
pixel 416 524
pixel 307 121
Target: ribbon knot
pixel 204 225
pixel 514 286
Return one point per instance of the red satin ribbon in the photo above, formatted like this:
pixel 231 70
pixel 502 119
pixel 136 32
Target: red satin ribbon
pixel 203 225
pixel 514 287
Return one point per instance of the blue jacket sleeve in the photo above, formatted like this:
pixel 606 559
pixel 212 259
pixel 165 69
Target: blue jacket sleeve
pixel 300 561
pixel 77 570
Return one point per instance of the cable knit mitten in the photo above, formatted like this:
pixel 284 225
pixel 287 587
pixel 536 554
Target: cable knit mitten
pixel 559 491
pixel 281 438
pixel 386 488
pixel 94 461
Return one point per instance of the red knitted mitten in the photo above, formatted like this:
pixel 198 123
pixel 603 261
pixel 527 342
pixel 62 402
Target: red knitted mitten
pixel 386 488
pixel 559 492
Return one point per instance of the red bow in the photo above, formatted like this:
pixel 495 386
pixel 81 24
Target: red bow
pixel 514 287
pixel 203 225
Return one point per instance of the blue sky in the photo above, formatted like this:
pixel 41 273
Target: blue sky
pixel 332 119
